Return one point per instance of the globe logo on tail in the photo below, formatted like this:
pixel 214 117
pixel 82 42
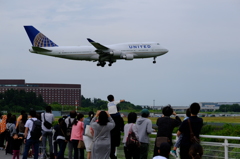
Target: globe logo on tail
pixel 41 40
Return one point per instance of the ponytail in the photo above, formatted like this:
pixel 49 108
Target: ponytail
pixel 75 121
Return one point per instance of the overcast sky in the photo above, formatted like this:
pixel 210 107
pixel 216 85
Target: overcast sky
pixel 203 39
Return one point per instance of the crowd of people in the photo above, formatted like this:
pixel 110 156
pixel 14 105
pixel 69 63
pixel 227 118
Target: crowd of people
pixel 99 134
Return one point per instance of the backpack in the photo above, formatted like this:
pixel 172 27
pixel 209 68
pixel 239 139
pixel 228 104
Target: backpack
pixel 47 124
pixel 36 131
pixel 69 130
pixel 132 141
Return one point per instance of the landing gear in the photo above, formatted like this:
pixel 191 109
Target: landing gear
pixel 101 63
pixel 154 60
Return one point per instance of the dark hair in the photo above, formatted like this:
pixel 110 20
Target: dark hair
pixel 132 117
pixel 12 119
pixel 14 134
pixel 194 108
pixel 110 98
pixel 62 124
pixel 167 110
pixel 48 109
pixel 24 118
pixel 188 112
pixel 33 113
pixel 60 120
pixel 8 117
pixel 23 112
pixel 196 151
pixel 73 114
pixel 103 118
pixel 91 115
pixel 38 116
pixel 165 149
pixel 79 116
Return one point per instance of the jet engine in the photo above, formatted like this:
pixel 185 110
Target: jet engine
pixel 115 53
pixel 127 56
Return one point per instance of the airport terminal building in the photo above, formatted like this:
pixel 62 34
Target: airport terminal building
pixel 65 94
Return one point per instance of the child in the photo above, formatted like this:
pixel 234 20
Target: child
pixel 16 143
pixel 112 106
pixel 196 151
pixel 163 151
pixel 177 144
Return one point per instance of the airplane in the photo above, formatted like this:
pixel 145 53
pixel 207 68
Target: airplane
pixel 97 52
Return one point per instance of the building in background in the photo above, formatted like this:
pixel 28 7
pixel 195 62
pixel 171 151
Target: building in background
pixel 65 94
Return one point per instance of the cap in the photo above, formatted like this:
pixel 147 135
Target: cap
pixel 145 111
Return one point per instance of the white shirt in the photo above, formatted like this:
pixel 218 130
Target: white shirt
pixel 112 107
pixel 29 125
pixel 49 117
pixel 159 157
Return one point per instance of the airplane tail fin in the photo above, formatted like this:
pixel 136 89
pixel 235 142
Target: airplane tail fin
pixel 37 38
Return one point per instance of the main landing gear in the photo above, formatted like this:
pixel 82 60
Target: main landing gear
pixel 101 63
pixel 154 60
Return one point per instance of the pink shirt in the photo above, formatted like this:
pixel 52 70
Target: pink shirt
pixel 77 131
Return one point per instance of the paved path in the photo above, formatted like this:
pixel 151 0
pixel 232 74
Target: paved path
pixel 8 156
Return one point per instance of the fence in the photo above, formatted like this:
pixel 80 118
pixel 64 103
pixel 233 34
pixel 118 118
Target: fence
pixel 220 149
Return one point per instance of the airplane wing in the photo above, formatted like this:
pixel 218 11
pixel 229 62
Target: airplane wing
pixel 97 45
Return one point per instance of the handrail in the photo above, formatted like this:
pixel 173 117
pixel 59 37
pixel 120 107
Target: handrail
pixel 225 144
pixel 211 136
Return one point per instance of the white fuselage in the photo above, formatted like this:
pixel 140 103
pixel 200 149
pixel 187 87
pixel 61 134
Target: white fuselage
pixel 127 51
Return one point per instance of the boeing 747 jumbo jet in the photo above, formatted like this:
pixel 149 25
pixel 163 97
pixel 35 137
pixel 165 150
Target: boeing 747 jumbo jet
pixel 97 53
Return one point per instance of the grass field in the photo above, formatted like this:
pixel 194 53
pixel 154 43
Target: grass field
pixel 205 119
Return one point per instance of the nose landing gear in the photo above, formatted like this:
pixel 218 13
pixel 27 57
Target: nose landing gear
pixel 154 60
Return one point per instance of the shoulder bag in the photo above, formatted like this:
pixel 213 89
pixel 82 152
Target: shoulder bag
pixel 46 123
pixel 193 138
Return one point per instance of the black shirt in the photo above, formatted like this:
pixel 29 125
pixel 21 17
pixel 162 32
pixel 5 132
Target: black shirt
pixel 196 124
pixel 166 126
pixel 16 143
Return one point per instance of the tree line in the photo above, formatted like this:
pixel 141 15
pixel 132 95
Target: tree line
pixel 229 108
pixel 17 100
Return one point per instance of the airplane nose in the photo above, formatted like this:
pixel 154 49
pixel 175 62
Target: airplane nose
pixel 164 50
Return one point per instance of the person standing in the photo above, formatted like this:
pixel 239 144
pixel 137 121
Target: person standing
pixel 61 131
pixel 144 126
pixel 131 152
pixel 28 139
pixel 77 135
pixel 88 139
pixel 116 134
pixel 10 131
pixel 101 139
pixel 16 143
pixel 21 129
pixel 166 125
pixel 69 122
pixel 2 130
pixel 20 118
pixel 47 130
pixel 196 126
